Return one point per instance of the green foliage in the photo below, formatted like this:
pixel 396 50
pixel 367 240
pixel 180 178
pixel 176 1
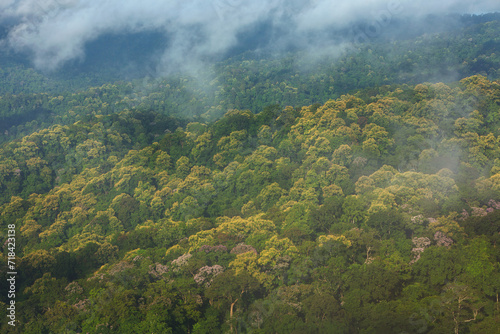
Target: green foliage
pixel 368 213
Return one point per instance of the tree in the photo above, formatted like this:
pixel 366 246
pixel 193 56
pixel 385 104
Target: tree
pixel 228 288
pixel 36 264
pixel 322 219
pixel 461 303
pixel 342 155
pixel 269 196
pixel 389 223
pixel 353 210
pixel 126 209
pixel 182 167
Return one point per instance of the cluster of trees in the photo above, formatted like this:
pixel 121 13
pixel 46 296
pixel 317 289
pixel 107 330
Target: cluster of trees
pixel 377 212
pixel 31 101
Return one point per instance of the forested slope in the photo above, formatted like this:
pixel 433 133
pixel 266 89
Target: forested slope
pixel 252 80
pixel 375 212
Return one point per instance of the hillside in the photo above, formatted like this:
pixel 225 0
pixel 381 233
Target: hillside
pixel 252 79
pixel 246 167
pixel 375 212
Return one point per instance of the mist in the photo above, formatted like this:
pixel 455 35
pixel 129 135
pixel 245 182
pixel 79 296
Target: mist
pixel 195 33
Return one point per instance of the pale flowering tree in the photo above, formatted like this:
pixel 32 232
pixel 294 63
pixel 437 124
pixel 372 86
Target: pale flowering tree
pixel 208 249
pixel 442 240
pixel 206 274
pixel 417 224
pixel 420 245
pixel 481 212
pixel 494 204
pixel 73 288
pixel 82 305
pixel 464 215
pixel 243 248
pixel 157 270
pixel 180 262
pixel 478 212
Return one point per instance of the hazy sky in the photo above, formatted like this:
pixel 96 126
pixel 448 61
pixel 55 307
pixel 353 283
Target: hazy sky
pixel 56 31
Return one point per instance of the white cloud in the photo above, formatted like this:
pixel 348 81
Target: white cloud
pixel 56 31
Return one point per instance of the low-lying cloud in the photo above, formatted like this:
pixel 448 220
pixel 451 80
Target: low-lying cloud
pixel 54 32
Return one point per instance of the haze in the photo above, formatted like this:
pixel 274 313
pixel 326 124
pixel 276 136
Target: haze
pixel 56 32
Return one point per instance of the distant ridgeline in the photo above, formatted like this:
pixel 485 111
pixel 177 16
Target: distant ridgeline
pixel 31 101
pixel 439 49
pixel 398 54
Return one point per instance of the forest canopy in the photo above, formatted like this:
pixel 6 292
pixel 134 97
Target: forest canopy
pixel 361 198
